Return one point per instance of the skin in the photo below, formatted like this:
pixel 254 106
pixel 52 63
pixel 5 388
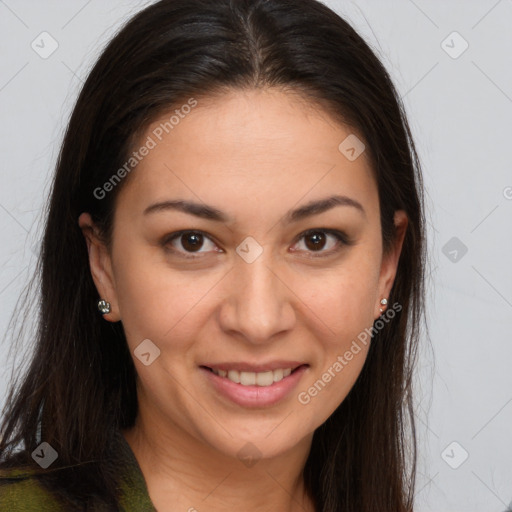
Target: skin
pixel 255 155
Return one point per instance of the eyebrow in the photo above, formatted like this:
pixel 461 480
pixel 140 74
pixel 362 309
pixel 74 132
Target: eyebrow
pixel 210 213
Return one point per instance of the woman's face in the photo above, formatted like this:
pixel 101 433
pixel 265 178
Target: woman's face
pixel 246 289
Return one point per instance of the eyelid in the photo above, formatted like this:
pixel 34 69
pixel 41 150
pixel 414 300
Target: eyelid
pixel 177 234
pixel 335 232
pixel 340 236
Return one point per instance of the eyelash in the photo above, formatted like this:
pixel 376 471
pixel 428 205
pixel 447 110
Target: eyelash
pixel 341 237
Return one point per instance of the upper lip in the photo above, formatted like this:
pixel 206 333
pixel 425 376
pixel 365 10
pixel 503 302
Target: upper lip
pixel 256 368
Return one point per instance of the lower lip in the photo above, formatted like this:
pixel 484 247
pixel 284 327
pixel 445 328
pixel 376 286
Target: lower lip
pixel 255 396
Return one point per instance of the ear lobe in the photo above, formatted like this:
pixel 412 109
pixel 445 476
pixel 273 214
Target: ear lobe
pixel 100 264
pixel 391 258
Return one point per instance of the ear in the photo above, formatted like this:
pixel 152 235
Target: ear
pixel 100 263
pixel 390 260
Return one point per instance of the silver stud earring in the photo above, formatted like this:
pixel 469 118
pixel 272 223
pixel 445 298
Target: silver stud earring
pixel 103 307
pixel 384 303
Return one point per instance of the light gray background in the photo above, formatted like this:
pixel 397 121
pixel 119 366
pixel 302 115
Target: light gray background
pixel 460 110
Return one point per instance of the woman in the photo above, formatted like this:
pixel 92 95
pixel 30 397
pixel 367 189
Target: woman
pixel 231 275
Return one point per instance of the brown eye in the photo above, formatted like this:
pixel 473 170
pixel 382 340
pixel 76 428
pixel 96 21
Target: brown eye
pixel 188 242
pixel 316 240
pixel 191 241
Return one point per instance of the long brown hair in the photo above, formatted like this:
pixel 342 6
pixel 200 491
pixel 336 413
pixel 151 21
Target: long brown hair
pixel 79 388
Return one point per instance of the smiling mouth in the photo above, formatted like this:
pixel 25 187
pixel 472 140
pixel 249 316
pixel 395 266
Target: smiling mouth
pixel 262 379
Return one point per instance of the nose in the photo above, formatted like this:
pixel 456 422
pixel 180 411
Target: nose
pixel 259 303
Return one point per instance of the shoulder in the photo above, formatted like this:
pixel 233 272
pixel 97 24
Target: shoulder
pixel 22 490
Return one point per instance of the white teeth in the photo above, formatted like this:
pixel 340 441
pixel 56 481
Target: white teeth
pixel 247 378
pixel 264 378
pixel 253 378
pixel 234 375
pixel 278 375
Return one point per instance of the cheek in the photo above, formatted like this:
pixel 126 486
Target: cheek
pixel 342 306
pixel 344 298
pixel 152 299
pixel 165 305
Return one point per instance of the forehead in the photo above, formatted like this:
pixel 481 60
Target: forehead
pixel 265 145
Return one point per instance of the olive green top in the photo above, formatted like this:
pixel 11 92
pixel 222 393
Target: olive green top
pixel 22 491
